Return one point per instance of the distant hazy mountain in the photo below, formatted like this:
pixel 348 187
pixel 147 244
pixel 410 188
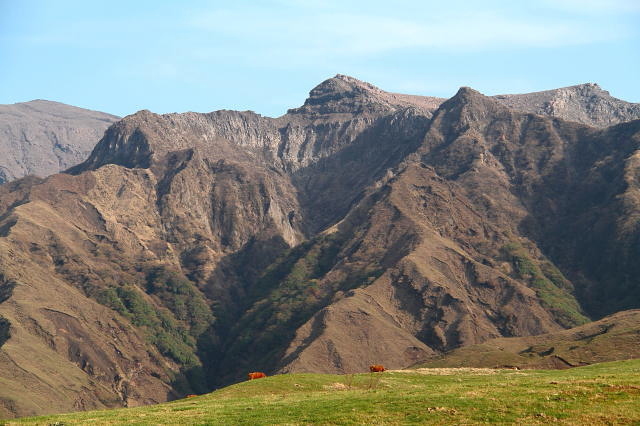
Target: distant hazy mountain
pixel 362 227
pixel 43 137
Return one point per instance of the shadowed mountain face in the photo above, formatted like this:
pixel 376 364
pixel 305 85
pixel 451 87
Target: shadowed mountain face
pixel 363 227
pixel 43 137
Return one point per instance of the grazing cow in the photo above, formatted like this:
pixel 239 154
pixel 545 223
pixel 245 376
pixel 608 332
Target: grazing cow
pixel 256 375
pixel 377 368
pixel 191 396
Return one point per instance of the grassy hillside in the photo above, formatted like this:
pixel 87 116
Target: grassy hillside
pixel 612 338
pixel 598 394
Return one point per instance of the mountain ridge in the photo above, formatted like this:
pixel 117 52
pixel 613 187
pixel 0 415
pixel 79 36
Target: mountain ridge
pixel 597 107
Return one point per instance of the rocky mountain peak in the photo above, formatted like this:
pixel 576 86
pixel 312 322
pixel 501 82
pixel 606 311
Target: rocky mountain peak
pixel 341 94
pixel 341 86
pixel 467 94
pixel 468 105
pixel 344 94
pixel 591 86
pixel 583 92
pixel 585 103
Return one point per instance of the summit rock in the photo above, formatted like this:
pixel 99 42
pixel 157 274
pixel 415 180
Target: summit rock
pixel 344 94
pixel 585 103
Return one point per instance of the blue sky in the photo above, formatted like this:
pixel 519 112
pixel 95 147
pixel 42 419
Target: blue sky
pixel 265 56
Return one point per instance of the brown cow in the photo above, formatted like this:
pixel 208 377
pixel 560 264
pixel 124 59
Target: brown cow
pixel 377 368
pixel 191 396
pixel 256 375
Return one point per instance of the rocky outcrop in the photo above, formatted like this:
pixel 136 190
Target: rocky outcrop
pixel 347 95
pixel 43 137
pixel 585 103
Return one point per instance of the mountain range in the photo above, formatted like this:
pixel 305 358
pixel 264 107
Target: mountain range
pixel 362 227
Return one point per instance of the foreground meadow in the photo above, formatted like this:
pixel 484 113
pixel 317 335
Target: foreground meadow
pixel 607 393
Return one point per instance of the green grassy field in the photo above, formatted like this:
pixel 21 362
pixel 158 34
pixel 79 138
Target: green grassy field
pixel 607 393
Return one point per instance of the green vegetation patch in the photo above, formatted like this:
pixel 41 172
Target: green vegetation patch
pixel 181 297
pixel 289 293
pixel 173 324
pixel 168 335
pixel 552 288
pixel 598 394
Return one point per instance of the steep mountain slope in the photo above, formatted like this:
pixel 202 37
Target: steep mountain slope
pixel 576 187
pixel 43 137
pixel 66 351
pixel 361 227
